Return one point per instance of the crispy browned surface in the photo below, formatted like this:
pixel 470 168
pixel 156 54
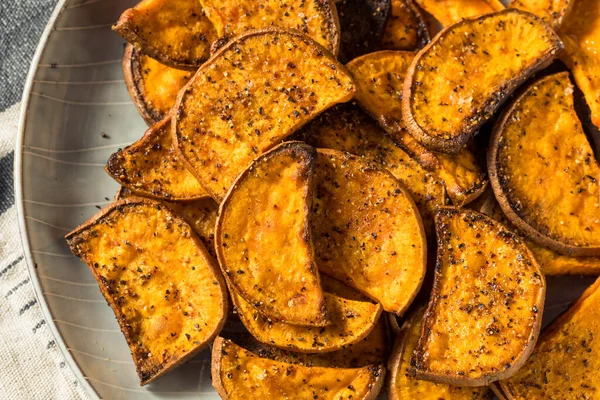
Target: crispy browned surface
pixel 486 306
pixel 552 11
pixel 351 321
pixel 347 128
pixel 379 79
pixel 176 33
pixel 263 237
pixel 405 28
pixel 167 294
pixel 448 12
pixel 566 360
pixel 152 86
pixel 367 230
pixel 403 385
pixel 445 102
pixel 543 169
pixel 580 32
pixel 551 262
pixel 240 374
pixel 317 19
pixel 152 168
pixel 248 97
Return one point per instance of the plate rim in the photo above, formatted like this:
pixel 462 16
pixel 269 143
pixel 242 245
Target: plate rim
pixel 18 191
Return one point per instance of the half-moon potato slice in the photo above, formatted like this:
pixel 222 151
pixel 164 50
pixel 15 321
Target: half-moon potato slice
pixel 543 169
pixel 551 11
pixel 263 237
pixel 485 309
pixel 402 383
pixel 152 168
pixel 240 374
pixel 253 93
pixel 166 292
pixel 461 78
pixel 565 362
pixel 448 12
pixel 405 29
pixel 367 230
pixel 316 19
pixel 176 33
pixel 379 79
pixel 153 86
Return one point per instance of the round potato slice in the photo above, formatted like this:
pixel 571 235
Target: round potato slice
pixel 449 12
pixel 367 230
pixel 405 29
pixel 248 97
pixel 543 169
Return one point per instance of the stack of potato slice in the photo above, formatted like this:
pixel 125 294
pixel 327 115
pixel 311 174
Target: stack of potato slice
pixel 321 222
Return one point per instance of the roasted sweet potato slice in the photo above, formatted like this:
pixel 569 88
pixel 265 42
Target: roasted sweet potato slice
pixel 543 169
pixel 176 33
pixel 580 32
pixel 263 237
pixel 379 78
pixel 351 321
pixel 367 230
pixel 459 80
pixel 551 11
pixel 565 362
pixel 405 29
pixel 347 128
pixel 486 306
pixel 152 86
pixel 253 93
pixel 317 19
pixel 167 294
pixel 152 168
pixel 240 374
pixel 402 383
pixel 448 12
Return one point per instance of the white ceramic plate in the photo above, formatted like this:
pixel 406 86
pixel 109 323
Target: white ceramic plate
pixel 76 112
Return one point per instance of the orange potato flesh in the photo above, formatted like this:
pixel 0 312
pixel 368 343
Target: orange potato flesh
pixel 152 168
pixel 485 310
pixel 367 230
pixel 263 237
pixel 405 28
pixel 552 11
pixel 176 33
pixel 449 12
pixel 167 294
pixel 252 94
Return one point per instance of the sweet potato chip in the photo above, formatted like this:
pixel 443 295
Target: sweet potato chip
pixel 316 19
pixel 551 11
pixel 351 321
pixel 486 306
pixel 449 12
pixel 176 33
pixel 240 374
pixel 167 294
pixel 152 86
pixel 347 128
pixel 459 80
pixel 263 237
pixel 580 32
pixel 402 383
pixel 566 359
pixel 379 78
pixel 367 230
pixel 405 29
pixel 543 169
pixel 152 168
pixel 253 93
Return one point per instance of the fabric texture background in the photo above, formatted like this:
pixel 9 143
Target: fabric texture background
pixel 31 365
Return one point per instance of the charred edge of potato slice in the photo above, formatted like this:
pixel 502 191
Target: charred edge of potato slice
pixel 551 11
pixel 493 335
pixel 362 383
pixel 406 28
pixel 442 135
pixel 199 32
pixel 152 168
pixel 227 154
pixel 451 12
pixel 287 289
pixel 154 101
pixel 148 368
pixel 517 209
